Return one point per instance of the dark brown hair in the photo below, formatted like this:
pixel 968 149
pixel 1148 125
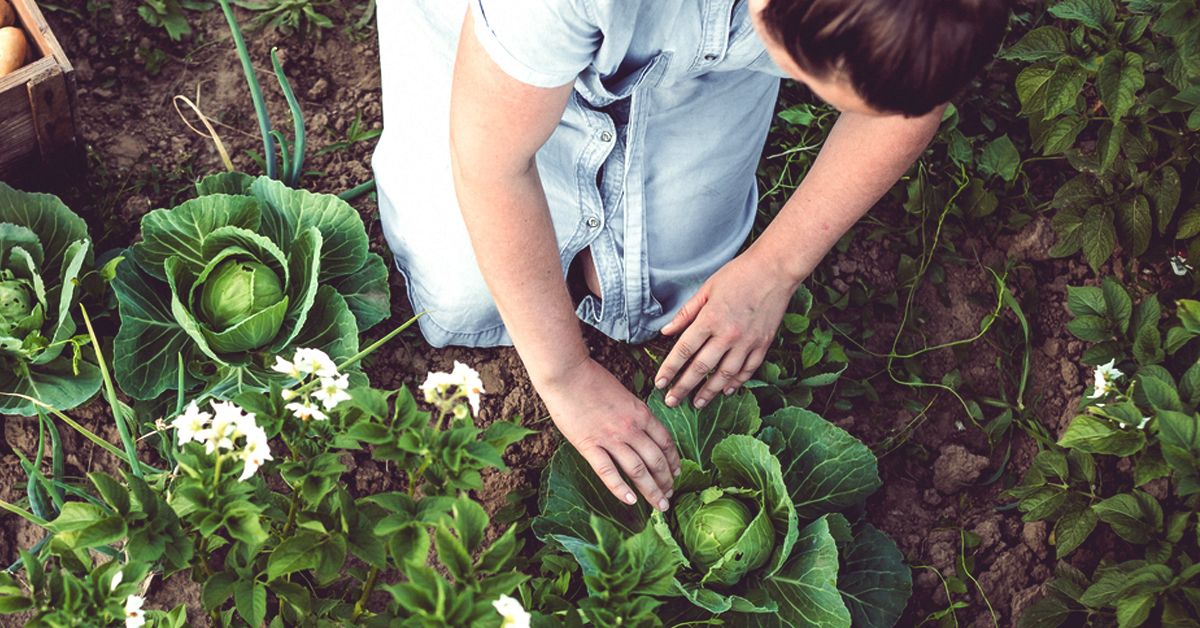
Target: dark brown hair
pixel 903 56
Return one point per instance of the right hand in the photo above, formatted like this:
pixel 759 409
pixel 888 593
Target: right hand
pixel 612 429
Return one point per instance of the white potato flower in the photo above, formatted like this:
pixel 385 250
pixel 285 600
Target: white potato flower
pixel 463 377
pixel 305 410
pixel 332 391
pixel 189 424
pixel 470 383
pixel 255 453
pixel 513 614
pixel 135 617
pixel 1105 379
pixel 315 362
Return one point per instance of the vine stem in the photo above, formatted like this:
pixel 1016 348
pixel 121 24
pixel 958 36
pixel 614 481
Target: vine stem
pixel 368 586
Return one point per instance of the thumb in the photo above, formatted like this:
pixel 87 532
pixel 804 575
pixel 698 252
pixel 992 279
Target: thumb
pixel 687 313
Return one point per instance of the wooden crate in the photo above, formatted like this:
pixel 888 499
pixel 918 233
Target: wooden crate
pixel 37 103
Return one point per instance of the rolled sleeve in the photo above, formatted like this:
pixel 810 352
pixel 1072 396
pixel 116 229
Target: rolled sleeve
pixel 543 43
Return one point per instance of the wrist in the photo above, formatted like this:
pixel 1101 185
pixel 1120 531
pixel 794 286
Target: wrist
pixel 785 264
pixel 559 371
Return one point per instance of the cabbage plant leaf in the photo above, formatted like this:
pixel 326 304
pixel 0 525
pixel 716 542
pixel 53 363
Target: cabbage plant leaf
pixel 792 469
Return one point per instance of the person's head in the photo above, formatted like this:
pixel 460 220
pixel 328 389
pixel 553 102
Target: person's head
pixel 881 56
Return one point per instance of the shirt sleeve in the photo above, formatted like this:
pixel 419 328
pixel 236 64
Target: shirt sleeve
pixel 543 43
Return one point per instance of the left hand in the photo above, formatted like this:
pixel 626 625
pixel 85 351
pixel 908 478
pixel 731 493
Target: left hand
pixel 726 329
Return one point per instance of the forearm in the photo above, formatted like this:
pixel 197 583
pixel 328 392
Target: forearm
pixel 514 242
pixel 852 172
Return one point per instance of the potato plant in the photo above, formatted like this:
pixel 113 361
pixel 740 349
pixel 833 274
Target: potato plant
pixel 1115 88
pixel 1142 406
pixel 255 511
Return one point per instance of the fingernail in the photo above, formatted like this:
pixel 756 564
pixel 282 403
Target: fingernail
pixel 670 492
pixel 672 401
pixel 677 472
pixel 729 391
pixel 631 498
pixel 700 403
pixel 660 384
pixel 663 505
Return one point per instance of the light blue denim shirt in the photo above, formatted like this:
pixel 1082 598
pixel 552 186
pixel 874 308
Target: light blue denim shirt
pixel 652 165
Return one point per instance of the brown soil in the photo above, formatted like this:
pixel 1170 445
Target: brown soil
pixel 938 478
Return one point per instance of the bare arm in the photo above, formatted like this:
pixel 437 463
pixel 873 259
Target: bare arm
pixel 497 126
pixel 729 324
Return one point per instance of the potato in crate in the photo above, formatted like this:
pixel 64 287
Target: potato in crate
pixel 37 94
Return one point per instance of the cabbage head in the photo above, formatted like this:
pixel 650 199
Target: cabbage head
pixel 248 270
pixel 44 251
pixel 765 528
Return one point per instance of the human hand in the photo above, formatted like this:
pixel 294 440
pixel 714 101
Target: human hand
pixel 611 429
pixel 726 330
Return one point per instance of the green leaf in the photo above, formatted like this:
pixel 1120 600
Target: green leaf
pixel 806 588
pixel 824 467
pixel 250 599
pixel 147 346
pixel 744 461
pixel 113 493
pixel 56 385
pixel 1099 236
pixel 1000 158
pixel 1134 611
pixel 1086 301
pixel 1120 78
pixel 1045 42
pixel 1072 529
pixel 1095 14
pixel 1161 394
pixel 874 581
pixel 1109 145
pixel 571 493
pixel 367 293
pixel 1063 87
pixel 1179 434
pixel 56 226
pixel 1135 517
pixel 1090 328
pixel 180 232
pixel 288 212
pixel 1094 435
pixel 1189 224
pixel 1118 305
pixel 697 432
pixel 1164 194
pixel 1059 135
pixel 292 555
pixel 1135 224
pixel 452 554
pixel 1031 88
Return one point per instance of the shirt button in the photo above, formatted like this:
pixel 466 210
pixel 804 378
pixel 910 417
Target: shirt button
pixel 606 137
pixel 710 57
pixel 593 222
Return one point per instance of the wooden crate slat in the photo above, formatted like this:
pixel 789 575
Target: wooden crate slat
pixel 37 102
pixel 50 107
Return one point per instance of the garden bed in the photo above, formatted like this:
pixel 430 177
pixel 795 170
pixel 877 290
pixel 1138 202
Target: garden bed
pixel 943 473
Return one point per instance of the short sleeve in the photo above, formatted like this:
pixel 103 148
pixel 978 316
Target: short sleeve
pixel 543 43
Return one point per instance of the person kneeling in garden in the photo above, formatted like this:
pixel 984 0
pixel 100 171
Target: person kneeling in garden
pixel 550 161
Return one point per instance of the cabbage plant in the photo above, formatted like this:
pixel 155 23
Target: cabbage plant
pixel 249 270
pixel 761 531
pixel 44 250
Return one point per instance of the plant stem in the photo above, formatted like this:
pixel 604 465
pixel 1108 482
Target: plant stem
pixel 296 168
pixel 110 393
pixel 260 105
pixel 368 586
pixel 357 191
pixel 24 514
